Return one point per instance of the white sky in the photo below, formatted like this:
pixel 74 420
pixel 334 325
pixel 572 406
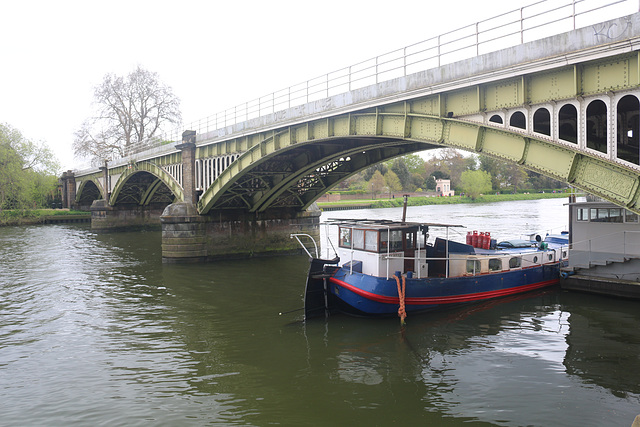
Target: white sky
pixel 213 54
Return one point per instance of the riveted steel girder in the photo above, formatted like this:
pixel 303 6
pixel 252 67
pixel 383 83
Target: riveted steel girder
pixel 287 172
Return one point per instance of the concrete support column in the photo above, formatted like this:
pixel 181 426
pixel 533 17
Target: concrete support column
pixel 188 148
pixel 183 234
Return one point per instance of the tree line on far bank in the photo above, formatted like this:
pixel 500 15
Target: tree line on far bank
pixel 472 175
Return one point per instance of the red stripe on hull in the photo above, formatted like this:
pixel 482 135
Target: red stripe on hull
pixel 453 299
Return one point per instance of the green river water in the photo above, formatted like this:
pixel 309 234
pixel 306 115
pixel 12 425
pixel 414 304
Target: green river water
pixel 95 330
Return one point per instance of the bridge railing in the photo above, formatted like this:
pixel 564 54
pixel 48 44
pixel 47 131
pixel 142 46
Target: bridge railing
pixel 534 21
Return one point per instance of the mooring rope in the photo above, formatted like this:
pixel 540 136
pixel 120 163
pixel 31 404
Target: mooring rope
pixel 402 313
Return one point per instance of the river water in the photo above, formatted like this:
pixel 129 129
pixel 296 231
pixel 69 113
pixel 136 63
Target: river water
pixel 95 330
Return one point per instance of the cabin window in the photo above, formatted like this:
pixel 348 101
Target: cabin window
pixel 615 215
pixel 606 215
pixel 371 240
pixel 583 214
pixel 550 257
pixel 358 239
pixel 515 262
pixel 630 217
pixel 396 240
pixel 495 264
pixel 410 241
pixel 473 266
pixel 535 259
pixel 345 237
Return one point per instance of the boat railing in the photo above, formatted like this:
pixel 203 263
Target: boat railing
pixel 417 259
pixel 297 237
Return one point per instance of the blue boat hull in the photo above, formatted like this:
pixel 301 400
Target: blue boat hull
pixel 361 294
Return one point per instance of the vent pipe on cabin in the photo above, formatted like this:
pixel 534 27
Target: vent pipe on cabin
pixel 404 207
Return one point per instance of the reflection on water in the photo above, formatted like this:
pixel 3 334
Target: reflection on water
pixel 96 330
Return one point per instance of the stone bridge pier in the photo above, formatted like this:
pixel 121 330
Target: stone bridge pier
pixel 189 237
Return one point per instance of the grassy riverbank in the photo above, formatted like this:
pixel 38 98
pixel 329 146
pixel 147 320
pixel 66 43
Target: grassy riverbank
pixel 422 201
pixel 38 216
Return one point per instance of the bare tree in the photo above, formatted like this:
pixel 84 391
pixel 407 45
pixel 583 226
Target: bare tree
pixel 129 110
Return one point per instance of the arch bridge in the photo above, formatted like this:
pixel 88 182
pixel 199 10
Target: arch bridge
pixel 566 106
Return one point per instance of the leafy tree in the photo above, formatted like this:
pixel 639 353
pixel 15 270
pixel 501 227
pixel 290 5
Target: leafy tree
pixel 399 167
pixel 430 182
pixel 414 163
pixel 12 183
pixel 129 110
pixel 376 183
pixel 368 173
pixel 540 182
pixel 27 170
pixel 475 182
pixel 392 181
pixel 504 174
pixel 440 175
pixel 517 177
pixel 451 164
pixel 417 181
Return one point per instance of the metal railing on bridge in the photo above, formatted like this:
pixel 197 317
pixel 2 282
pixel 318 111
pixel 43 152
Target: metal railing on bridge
pixel 535 21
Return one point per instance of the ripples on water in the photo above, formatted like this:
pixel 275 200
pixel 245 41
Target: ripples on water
pixel 95 330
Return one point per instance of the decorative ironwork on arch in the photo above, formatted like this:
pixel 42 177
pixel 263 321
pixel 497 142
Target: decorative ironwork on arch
pixel 90 189
pixel 143 183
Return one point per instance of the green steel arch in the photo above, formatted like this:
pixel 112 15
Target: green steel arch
pixel 162 177
pixel 293 166
pixel 83 183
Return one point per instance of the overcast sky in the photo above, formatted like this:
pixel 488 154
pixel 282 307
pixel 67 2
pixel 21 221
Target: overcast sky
pixel 213 54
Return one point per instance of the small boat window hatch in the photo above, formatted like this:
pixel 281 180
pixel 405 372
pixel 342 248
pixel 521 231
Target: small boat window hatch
pixel 495 264
pixel 474 266
pixel 515 262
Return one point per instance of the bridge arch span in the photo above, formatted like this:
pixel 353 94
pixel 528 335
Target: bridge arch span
pixel 89 190
pixel 296 175
pixel 145 183
pixel 291 171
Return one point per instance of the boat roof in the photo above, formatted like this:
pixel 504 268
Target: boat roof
pixel 383 223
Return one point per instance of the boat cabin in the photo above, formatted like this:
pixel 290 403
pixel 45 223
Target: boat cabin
pixel 380 248
pixel 374 241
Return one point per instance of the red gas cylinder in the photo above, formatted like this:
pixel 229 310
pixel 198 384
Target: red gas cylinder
pixel 487 239
pixel 474 239
pixel 468 237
